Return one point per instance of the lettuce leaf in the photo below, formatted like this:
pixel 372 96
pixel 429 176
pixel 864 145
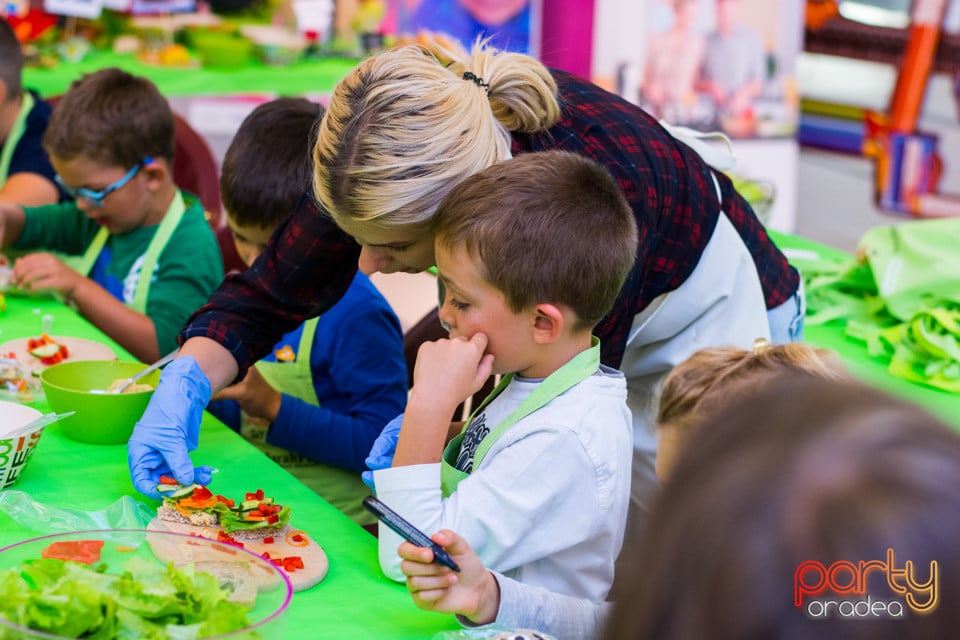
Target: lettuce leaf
pixel 147 600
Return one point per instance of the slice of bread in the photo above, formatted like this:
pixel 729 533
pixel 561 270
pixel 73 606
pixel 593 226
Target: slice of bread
pixel 198 519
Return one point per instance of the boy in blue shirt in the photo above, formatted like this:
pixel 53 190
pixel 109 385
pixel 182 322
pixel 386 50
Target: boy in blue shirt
pixel 26 176
pixel 146 256
pixel 319 400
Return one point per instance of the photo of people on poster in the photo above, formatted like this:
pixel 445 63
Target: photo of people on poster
pixel 707 64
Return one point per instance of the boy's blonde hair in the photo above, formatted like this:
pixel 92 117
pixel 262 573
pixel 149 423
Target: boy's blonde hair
pixel 112 117
pixel 403 128
pixel 548 227
pixel 711 378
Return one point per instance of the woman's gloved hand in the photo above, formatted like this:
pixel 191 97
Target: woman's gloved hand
pixel 381 453
pixel 169 428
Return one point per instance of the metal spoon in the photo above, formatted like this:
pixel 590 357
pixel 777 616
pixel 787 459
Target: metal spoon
pixel 156 365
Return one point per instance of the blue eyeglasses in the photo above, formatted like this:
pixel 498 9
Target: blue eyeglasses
pixel 96 198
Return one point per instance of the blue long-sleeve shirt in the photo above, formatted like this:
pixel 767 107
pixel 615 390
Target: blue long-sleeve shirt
pixel 359 375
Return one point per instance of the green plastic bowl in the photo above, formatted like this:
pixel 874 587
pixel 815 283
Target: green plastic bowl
pixel 100 418
pixel 222 50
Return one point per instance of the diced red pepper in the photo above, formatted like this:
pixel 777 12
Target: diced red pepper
pixel 223 536
pixel 268 540
pixel 292 563
pixel 167 480
pixel 226 501
pixel 265 555
pixel 85 551
pixel 63 351
pixel 273 518
pixel 297 537
pixel 201 493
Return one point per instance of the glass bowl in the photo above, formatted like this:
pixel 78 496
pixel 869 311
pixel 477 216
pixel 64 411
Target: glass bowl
pixel 126 579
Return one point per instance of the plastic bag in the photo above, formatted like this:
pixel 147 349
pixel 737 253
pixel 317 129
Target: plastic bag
pixel 901 298
pixel 125 513
pixel 916 265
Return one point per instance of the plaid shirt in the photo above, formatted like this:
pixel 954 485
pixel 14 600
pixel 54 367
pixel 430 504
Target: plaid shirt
pixel 309 263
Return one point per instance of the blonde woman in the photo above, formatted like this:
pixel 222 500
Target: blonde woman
pixel 406 126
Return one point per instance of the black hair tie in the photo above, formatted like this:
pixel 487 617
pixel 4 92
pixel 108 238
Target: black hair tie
pixel 477 80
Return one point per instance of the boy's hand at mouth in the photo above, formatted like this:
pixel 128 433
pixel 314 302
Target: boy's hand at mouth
pixel 447 372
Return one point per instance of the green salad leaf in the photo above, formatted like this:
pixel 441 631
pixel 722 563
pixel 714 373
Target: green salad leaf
pixel 147 600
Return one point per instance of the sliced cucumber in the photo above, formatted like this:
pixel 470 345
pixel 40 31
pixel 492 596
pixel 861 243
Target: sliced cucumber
pixel 182 492
pixel 249 505
pixel 167 488
pixel 45 350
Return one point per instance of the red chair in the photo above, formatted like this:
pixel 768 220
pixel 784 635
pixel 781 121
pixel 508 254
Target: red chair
pixel 195 169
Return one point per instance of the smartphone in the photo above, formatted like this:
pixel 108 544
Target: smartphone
pixel 407 531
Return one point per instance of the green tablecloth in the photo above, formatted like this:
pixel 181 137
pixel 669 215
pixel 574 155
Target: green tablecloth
pixel 353 601
pixel 854 353
pixel 302 78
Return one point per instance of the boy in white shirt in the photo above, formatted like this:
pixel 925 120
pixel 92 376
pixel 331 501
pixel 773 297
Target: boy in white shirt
pixel 539 480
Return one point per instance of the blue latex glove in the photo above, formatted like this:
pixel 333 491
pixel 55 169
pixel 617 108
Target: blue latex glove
pixel 169 428
pixel 382 451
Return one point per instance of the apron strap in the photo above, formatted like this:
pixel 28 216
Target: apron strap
pixel 168 225
pixel 582 366
pixel 93 252
pixel 157 244
pixel 721 160
pixel 16 134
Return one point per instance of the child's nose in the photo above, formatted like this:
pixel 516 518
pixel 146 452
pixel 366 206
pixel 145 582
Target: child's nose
pixel 446 319
pixel 372 260
pixel 85 204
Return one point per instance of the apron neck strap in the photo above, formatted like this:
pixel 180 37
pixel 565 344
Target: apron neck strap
pixel 15 135
pixel 171 219
pixel 579 368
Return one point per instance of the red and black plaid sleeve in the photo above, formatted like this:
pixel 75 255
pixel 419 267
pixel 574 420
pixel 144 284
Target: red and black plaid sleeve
pixel 672 194
pixel 306 268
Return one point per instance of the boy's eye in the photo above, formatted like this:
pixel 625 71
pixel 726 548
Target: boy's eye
pixel 459 306
pixel 399 248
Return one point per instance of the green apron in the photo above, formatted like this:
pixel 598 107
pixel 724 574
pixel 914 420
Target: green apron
pixel 157 244
pixel 578 369
pixel 342 488
pixel 13 139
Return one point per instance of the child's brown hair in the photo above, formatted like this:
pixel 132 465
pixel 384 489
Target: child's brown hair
pixel 548 227
pixel 112 117
pixel 11 60
pixel 269 164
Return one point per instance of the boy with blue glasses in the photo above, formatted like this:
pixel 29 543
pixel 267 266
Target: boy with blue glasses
pixel 146 257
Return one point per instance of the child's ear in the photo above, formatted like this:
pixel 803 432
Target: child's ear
pixel 158 173
pixel 548 323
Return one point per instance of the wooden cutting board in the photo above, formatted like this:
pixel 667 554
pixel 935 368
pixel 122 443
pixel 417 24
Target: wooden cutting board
pixel 315 563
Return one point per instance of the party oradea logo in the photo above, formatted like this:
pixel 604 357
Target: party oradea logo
pixel 867 589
